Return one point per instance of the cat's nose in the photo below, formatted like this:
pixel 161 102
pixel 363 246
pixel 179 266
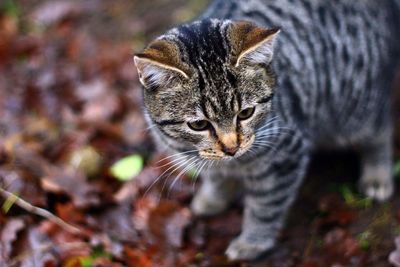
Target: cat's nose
pixel 230 151
pixel 229 143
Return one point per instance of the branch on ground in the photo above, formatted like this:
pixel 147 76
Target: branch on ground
pixel 39 211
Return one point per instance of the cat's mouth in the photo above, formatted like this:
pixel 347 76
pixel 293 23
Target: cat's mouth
pixel 214 154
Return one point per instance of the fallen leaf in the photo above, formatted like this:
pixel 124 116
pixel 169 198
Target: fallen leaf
pixel 112 246
pixel 21 184
pixel 91 90
pixel 134 128
pixel 50 13
pixel 397 169
pixel 117 222
pixel 127 168
pixel 335 212
pixel 342 248
pixel 138 257
pixel 100 109
pixel 394 257
pixel 37 250
pixel 73 184
pixel 168 222
pixel 86 160
pixel 8 235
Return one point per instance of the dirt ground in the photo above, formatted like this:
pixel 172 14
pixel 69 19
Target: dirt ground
pixel 70 108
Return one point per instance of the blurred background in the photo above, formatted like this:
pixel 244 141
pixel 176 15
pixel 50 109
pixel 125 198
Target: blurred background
pixel 74 143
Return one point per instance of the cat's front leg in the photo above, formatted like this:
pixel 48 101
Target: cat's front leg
pixel 215 194
pixel 269 196
pixel 376 162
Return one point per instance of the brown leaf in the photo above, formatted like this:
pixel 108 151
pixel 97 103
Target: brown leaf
pixel 104 262
pixel 337 213
pixel 8 30
pixel 116 221
pixel 53 12
pixel 86 160
pixel 137 257
pixel 100 109
pixel 168 223
pixel 134 128
pixel 21 184
pixel 310 263
pixel 341 247
pixel 37 250
pixel 73 184
pixel 91 90
pixel 64 244
pixel 142 209
pixel 394 257
pixel 69 213
pixel 8 235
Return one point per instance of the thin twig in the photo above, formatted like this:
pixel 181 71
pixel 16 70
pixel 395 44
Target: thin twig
pixel 39 211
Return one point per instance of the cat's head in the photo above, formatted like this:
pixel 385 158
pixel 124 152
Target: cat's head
pixel 208 85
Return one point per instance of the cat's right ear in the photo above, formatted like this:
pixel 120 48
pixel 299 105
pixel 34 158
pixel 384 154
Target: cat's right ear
pixel 159 65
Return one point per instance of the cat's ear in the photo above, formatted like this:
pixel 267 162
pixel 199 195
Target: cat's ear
pixel 160 64
pixel 252 44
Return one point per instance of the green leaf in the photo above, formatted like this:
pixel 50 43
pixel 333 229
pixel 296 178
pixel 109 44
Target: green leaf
pixel 347 194
pixel 97 253
pixel 127 168
pixel 9 202
pixel 86 261
pixel 11 8
pixel 364 240
pixel 397 169
pixel 354 200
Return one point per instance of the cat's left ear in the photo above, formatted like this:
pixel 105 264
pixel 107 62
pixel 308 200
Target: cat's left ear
pixel 252 44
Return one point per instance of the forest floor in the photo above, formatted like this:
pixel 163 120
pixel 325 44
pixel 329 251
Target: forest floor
pixel 70 108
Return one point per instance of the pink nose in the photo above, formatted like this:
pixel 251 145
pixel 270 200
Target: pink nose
pixel 230 151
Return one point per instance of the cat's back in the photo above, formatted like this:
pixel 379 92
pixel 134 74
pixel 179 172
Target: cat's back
pixel 334 59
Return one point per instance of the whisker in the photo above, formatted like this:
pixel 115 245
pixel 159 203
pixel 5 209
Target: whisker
pixel 251 151
pixel 266 146
pixel 269 122
pixel 150 127
pixel 177 154
pixel 172 161
pixel 264 140
pixel 263 145
pixel 186 169
pixel 196 174
pixel 190 160
pixel 276 129
pixel 161 175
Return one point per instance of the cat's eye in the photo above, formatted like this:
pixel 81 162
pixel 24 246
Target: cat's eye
pixel 199 125
pixel 246 113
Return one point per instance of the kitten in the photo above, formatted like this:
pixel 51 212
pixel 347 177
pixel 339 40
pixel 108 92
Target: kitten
pixel 258 85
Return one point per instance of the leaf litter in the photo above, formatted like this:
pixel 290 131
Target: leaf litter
pixel 73 141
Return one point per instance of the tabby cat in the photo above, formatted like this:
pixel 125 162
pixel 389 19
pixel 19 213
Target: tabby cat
pixel 252 87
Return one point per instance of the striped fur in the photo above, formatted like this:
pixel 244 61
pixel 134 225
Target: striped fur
pixel 328 85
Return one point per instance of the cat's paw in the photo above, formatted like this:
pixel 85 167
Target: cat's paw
pixel 241 249
pixel 377 189
pixel 377 182
pixel 203 206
